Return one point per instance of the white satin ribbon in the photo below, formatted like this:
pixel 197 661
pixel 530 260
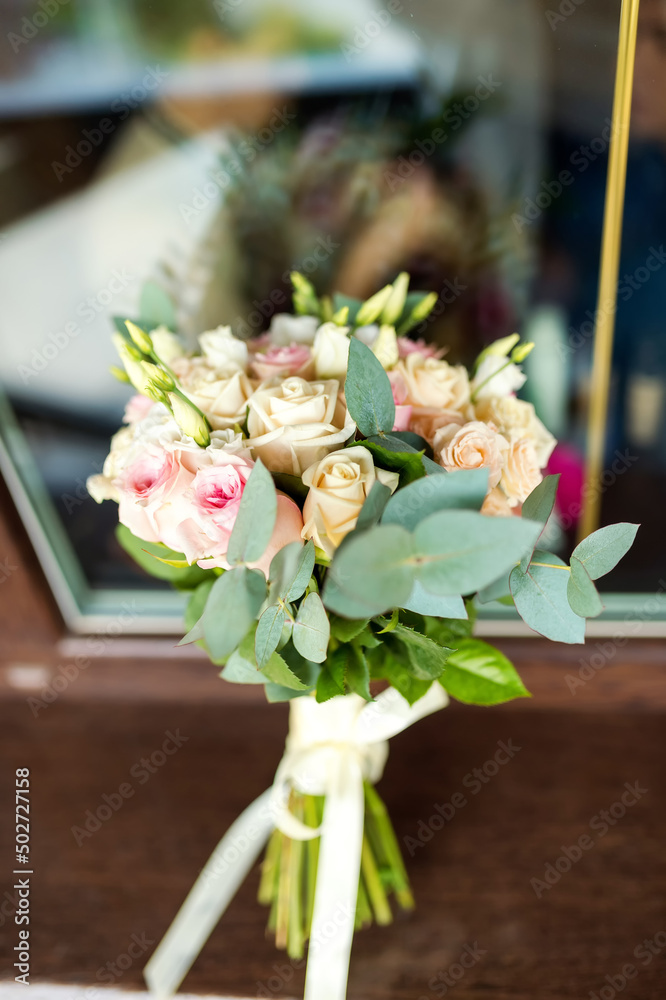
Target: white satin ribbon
pixel 331 749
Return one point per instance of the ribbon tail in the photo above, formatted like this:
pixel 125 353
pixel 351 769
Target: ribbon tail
pixel 337 882
pixel 209 897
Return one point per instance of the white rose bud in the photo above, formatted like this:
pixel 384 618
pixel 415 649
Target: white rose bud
pixel 330 351
pixel 224 352
pixel 496 377
pixel 286 329
pixel 338 487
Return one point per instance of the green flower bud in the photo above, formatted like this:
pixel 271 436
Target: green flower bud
pixel 385 348
pixel 158 376
pixel 373 308
pixel 519 353
pixel 341 317
pixel 190 419
pixel 139 336
pixel 119 373
pixel 420 312
pixel 394 307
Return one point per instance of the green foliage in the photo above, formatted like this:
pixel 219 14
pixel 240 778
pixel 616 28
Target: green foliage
pixel 582 595
pixel 291 570
pixel 371 573
pixel 424 603
pixel 269 633
pixel 151 555
pixel 397 456
pixel 385 666
pixel 426 659
pixel 465 489
pixel 256 518
pixel 540 596
pixel 232 607
pixel 601 551
pixel 539 506
pixel 311 629
pixel 374 505
pixel 368 391
pixel 345 671
pixel 478 674
pixel 156 307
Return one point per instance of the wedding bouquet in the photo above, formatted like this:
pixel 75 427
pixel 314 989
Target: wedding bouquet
pixel 337 498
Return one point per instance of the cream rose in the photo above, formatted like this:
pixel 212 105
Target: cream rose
pixel 286 329
pixel 434 383
pixel 516 418
pixel 338 487
pixel 330 351
pixel 223 400
pixel 522 472
pixel 293 423
pixel 473 446
pixel 225 353
pixel 167 345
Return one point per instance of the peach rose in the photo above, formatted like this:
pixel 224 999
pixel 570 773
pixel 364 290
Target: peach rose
pixel 427 420
pixel 434 383
pixel 281 362
pixel 473 446
pixel 294 423
pixel 338 487
pixel 496 504
pixel 516 418
pixel 522 472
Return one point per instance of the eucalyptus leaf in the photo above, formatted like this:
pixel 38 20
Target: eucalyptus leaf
pixel 465 489
pixel 601 551
pixel 311 629
pixel 497 590
pixel 460 551
pixel 156 307
pixel 478 674
pixel 371 573
pixel 414 441
pixel 256 518
pixel 583 596
pixel 374 505
pixel 238 670
pixel 291 569
pixel 232 607
pixel 368 391
pixel 540 596
pixel 424 603
pixel 539 505
pixel 268 634
pixel 197 603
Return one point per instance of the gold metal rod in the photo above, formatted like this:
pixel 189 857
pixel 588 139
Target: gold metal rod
pixel 611 243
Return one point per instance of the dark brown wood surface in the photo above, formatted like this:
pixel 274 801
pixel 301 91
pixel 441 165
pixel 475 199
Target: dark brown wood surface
pixel 471 878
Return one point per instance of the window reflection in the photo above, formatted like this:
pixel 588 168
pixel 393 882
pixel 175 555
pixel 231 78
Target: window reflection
pixel 211 147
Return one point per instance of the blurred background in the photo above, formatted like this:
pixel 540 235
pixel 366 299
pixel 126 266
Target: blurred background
pixel 208 148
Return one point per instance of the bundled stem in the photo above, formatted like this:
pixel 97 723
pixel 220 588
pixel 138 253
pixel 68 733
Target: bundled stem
pixel 289 873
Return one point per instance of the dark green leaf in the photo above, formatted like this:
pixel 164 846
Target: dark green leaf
pixel 583 596
pixel 396 456
pixel 601 551
pixel 345 629
pixel 415 441
pixel 465 489
pixel 293 486
pixel 385 666
pixel 540 596
pixel 256 517
pixel 426 659
pixel 232 607
pixel 368 391
pixel 346 670
pixel 371 573
pixel 279 672
pixel 478 674
pixel 461 551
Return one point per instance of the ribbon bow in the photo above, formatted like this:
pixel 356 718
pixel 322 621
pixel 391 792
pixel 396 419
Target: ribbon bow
pixel 331 749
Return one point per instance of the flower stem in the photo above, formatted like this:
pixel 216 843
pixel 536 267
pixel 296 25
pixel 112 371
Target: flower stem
pixel 373 882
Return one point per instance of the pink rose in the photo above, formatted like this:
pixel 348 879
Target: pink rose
pixel 407 346
pixel 282 362
pixel 288 528
pixel 403 411
pixel 137 408
pixel 145 486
